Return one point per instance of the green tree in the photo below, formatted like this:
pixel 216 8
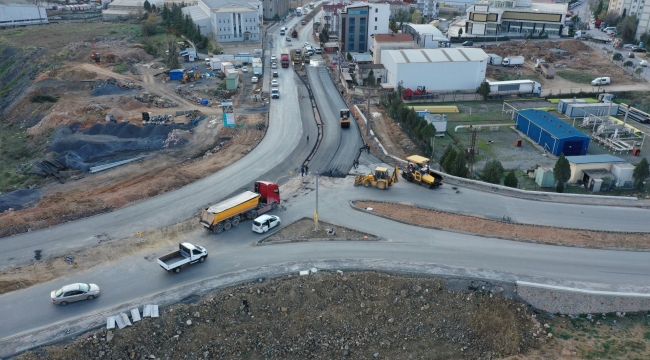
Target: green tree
pixel 460 32
pixel 617 56
pixel 449 161
pixel 493 171
pixel 392 25
pixel 402 16
pixel 641 172
pixel 416 18
pixel 276 17
pixel 484 90
pixel 172 56
pixel 147 6
pixel 628 63
pixel 511 179
pixel 428 132
pixel 561 172
pixel 627 28
pixel 459 167
pixel 445 153
pixel 371 78
pixel 611 18
pixel 324 36
pixel 349 57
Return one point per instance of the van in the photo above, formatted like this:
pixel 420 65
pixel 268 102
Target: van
pixel 309 50
pixel 601 81
pixel 612 28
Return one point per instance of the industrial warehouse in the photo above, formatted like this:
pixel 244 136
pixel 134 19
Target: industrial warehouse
pixel 551 133
pixel 21 13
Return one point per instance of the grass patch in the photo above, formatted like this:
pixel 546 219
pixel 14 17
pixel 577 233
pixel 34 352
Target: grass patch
pixel 15 150
pixel 44 98
pixel 576 77
pixel 120 68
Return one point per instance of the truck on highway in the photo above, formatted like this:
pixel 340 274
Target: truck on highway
pixel 522 88
pixel 186 254
pixel 296 56
pixel 299 11
pixel 513 61
pixel 247 205
pixel 284 57
pixel 294 33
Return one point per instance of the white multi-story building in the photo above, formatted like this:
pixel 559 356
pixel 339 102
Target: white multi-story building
pixel 428 8
pixel 330 17
pixel 359 21
pixel 227 20
pixel 495 17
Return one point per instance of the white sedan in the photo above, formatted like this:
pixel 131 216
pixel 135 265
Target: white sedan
pixel 274 83
pixel 274 66
pixel 273 58
pixel 254 79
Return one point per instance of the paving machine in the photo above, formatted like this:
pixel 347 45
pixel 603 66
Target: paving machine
pixel 380 178
pixel 345 118
pixel 418 171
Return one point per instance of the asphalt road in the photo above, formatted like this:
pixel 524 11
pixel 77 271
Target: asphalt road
pixel 139 276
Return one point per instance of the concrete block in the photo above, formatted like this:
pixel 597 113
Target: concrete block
pixel 154 311
pixel 313 271
pixel 135 315
pixel 304 272
pixel 125 319
pixel 120 321
pixel 110 322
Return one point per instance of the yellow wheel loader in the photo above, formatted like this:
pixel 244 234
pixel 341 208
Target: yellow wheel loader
pixel 380 178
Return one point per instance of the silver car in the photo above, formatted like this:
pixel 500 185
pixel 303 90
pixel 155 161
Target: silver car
pixel 74 292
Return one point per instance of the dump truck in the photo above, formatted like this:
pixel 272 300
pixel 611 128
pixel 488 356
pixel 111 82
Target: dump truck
pixel 547 70
pixel 418 171
pixel 245 206
pixel 380 178
pixel 186 254
pixel 284 58
pixel 345 118
pixel 296 56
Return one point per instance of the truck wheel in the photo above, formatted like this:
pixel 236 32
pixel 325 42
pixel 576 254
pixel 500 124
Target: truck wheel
pixel 177 270
pixel 366 183
pixel 227 225
pixel 218 229
pixel 235 221
pixel 202 259
pixel 381 185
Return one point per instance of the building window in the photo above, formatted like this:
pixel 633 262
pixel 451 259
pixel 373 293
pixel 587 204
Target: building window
pixel 376 10
pixel 375 19
pixel 375 28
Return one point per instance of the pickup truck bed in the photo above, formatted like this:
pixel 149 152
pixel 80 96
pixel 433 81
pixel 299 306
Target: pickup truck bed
pixel 172 258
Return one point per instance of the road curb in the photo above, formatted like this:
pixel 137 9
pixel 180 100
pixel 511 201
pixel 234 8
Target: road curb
pixel 262 242
pixel 355 207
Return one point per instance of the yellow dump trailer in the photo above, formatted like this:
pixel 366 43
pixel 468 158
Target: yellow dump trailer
pixel 229 213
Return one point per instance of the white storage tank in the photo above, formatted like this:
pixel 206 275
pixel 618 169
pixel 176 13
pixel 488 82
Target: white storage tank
pixel 623 174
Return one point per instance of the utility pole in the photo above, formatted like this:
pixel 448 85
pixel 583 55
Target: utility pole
pixel 368 114
pixel 472 151
pixel 316 211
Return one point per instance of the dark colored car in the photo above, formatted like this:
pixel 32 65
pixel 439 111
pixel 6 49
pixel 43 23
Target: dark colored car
pixel 639 50
pixel 468 43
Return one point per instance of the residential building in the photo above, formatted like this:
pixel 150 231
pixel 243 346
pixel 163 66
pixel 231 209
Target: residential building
pixel 359 21
pixel 428 9
pixel 20 13
pixel 426 36
pixel 330 17
pixel 396 6
pixel 495 17
pixel 227 20
pixel 630 7
pixel 389 42
pixel 275 7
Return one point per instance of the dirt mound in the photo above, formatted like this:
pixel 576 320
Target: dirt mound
pixel 71 73
pixel 573 46
pixel 361 315
pixel 541 49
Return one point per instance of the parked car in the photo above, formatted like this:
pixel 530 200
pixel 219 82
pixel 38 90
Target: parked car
pixel 302 22
pixel 254 79
pixel 265 223
pixel 643 63
pixel 74 292
pixel 288 39
pixel 274 83
pixel 244 69
pixel 639 50
pixel 275 74
pixel 629 46
pixel 601 81
pixel 468 43
pixel 630 55
pixel 274 66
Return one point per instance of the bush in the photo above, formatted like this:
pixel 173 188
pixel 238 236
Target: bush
pixel 44 98
pixel 511 179
pixel 493 172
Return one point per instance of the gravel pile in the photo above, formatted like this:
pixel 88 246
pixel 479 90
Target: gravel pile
pixel 324 316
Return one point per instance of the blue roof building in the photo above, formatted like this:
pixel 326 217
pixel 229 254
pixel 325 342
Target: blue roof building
pixel 551 133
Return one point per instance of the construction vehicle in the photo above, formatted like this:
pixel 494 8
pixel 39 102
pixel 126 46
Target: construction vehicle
pixel 380 178
pixel 191 76
pixel 247 205
pixel 95 57
pixel 305 57
pixel 418 171
pixel 345 118
pixel 296 56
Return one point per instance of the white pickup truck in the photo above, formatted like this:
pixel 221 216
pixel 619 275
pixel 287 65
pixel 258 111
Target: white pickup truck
pixel 186 254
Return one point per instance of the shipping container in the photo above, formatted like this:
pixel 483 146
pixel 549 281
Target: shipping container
pixel 215 63
pixel 598 109
pixel 623 173
pixel 563 103
pixel 176 74
pixel 225 64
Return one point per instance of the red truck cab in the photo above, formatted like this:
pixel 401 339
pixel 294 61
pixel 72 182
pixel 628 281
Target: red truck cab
pixel 269 191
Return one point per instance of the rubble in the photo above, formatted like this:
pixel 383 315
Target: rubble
pixel 177 137
pixel 155 100
pixel 315 317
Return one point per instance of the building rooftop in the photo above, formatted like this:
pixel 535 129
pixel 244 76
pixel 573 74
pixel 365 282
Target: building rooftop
pixel 435 55
pixel 134 3
pixel 16 3
pixel 552 125
pixel 426 29
pixel 195 12
pixel 595 159
pixel 217 4
pixel 393 38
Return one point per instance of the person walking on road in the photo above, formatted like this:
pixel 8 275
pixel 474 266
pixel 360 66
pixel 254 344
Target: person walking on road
pixel 302 170
pixel 306 170
pixel 307 138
